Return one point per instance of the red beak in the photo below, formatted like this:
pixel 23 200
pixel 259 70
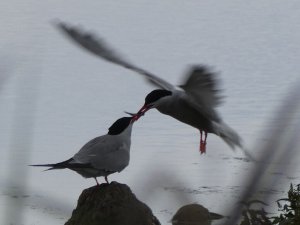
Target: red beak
pixel 142 111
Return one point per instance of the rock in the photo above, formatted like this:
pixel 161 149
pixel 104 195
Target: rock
pixel 111 204
pixel 194 214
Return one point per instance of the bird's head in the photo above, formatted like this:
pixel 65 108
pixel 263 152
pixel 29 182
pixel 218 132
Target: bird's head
pixel 153 99
pixel 120 125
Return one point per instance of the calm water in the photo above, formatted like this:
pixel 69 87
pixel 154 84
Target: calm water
pixel 55 97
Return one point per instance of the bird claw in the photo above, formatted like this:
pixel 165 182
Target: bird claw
pixel 202 147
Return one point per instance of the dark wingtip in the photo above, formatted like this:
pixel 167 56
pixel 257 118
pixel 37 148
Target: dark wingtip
pixel 64 28
pixel 61 26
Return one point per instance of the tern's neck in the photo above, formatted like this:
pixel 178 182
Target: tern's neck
pixel 125 137
pixel 127 131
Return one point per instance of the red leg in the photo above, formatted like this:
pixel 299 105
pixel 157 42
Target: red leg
pixel 96 181
pixel 203 142
pixel 106 179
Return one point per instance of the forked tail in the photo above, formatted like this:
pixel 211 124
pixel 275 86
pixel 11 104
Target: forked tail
pixel 231 138
pixel 61 165
pixel 228 135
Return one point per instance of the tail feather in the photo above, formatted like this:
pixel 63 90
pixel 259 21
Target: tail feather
pixel 228 135
pixel 231 138
pixel 68 164
pixel 61 165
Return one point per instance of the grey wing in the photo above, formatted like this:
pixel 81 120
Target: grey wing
pixel 101 153
pixel 201 87
pixel 100 48
pixel 90 149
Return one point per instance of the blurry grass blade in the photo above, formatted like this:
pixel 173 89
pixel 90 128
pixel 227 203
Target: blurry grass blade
pixel 276 154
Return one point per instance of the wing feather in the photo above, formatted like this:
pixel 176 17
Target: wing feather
pixel 100 48
pixel 201 87
pixel 101 153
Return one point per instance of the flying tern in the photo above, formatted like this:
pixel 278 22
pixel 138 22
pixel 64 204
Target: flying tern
pixel 194 102
pixel 102 155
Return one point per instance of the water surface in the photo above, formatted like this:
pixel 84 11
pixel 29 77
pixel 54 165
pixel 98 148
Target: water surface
pixel 55 97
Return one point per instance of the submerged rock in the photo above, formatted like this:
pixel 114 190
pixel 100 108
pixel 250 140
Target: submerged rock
pixel 111 204
pixel 194 214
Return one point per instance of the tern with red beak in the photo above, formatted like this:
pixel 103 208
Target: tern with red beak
pixel 194 105
pixel 102 155
pixel 194 102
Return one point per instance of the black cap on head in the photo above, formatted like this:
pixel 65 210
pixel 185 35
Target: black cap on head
pixel 119 126
pixel 155 95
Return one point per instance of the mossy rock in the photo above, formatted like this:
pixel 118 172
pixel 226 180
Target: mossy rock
pixel 111 204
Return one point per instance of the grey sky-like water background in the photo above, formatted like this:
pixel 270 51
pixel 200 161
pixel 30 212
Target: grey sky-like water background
pixel 55 97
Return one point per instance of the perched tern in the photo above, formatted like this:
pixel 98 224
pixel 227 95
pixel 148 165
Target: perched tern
pixel 193 102
pixel 102 155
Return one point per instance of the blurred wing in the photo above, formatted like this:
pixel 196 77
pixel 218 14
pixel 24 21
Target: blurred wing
pixel 100 48
pixel 201 87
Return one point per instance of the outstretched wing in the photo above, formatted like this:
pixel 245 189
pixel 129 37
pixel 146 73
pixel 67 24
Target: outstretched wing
pixel 201 87
pixel 100 48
